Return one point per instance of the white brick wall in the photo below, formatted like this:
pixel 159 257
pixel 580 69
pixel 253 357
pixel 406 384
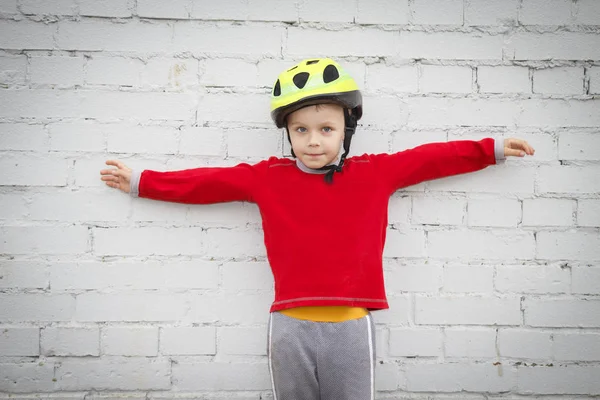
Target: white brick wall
pixel 493 278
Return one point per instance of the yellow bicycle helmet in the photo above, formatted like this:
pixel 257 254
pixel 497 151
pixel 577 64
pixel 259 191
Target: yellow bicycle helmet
pixel 317 81
pixel 313 81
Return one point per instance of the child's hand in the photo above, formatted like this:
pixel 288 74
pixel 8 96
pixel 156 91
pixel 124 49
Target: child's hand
pixel 117 178
pixel 517 148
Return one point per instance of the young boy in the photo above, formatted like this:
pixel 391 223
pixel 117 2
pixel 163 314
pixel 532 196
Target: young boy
pixel 324 221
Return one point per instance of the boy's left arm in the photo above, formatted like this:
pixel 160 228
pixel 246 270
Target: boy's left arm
pixel 439 160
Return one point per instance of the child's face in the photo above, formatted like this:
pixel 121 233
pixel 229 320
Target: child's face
pixel 317 133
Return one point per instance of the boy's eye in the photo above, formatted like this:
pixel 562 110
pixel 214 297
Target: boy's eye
pixel 327 129
pixel 301 129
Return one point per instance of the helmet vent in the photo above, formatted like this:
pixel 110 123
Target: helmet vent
pixel 311 62
pixel 293 68
pixel 330 73
pixel 300 79
pixel 277 89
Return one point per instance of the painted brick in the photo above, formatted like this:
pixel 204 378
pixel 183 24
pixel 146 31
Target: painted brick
pixel 9 7
pixel 503 79
pixel 310 43
pixel 272 10
pixel 494 179
pixel 524 344
pixel 445 79
pixel 594 74
pixel 27 377
pixel 123 275
pixel 415 342
pixel 585 279
pixel 468 278
pixel 105 8
pixel 197 140
pixel 229 72
pixel 398 313
pixel 141 139
pixel 532 279
pixel 113 374
pixel 145 306
pixel 25 34
pixel 246 340
pixel 382 12
pixel 222 376
pixel 568 179
pixel 134 37
pixel 472 310
pixel 431 210
pixel 566 80
pixel 176 74
pixel 253 143
pixel 326 11
pixel 108 105
pixel 70 341
pixel 24 275
pixel 113 71
pixel 44 240
pixel 228 10
pixel 13 69
pixel 562 313
pixel 158 9
pixel 577 113
pixel 62 71
pixel 545 46
pixel 579 146
pixel 414 277
pixel 480 244
pixel 588 213
pixel 399 209
pixel 575 346
pixel 453 377
pixel 571 245
pixel 587 12
pixel 545 12
pixel 21 342
pixel 247 275
pixel 485 12
pixel 437 12
pixel 58 7
pixel 494 212
pixel 76 137
pixel 228 40
pixel 391 79
pixel 404 243
pixel 16 136
pixel 130 341
pixel 188 341
pixel 548 212
pixel 36 307
pixel 570 379
pixel 470 342
pixel 449 45
pixel 229 309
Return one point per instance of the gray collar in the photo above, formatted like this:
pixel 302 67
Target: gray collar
pixel 309 170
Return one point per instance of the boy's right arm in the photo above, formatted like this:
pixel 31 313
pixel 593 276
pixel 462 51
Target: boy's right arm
pixel 198 186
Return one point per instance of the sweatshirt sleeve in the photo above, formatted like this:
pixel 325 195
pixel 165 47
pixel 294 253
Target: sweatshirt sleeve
pixel 204 185
pixel 433 161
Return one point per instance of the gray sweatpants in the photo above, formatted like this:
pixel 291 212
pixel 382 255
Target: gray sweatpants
pixel 321 360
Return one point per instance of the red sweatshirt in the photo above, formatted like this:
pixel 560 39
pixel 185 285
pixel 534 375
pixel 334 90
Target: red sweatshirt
pixel 346 221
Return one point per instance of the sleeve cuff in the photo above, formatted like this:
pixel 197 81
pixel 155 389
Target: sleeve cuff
pixel 499 149
pixel 134 183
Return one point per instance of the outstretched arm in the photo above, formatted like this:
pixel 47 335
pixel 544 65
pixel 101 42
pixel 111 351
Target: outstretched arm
pixel 199 185
pixel 439 160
